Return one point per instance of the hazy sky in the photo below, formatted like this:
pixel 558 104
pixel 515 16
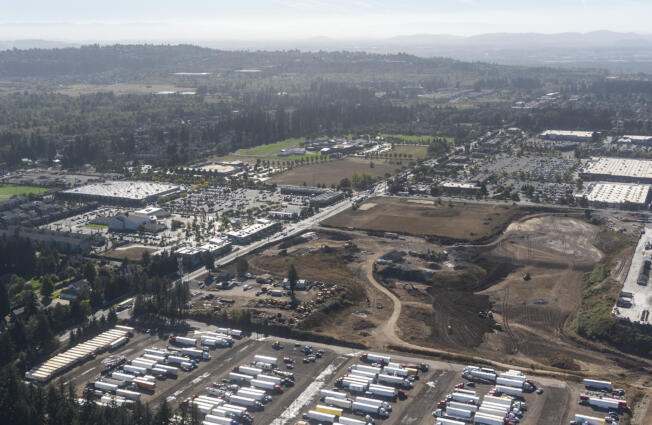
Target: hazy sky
pixel 188 20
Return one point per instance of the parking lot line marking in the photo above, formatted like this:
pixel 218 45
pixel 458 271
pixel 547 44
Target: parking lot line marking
pixel 243 348
pixel 309 393
pixel 84 373
pixel 228 359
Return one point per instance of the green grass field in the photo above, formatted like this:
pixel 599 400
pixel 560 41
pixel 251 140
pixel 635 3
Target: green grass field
pixel 8 191
pixel 97 226
pixel 408 138
pixel 417 152
pixel 271 149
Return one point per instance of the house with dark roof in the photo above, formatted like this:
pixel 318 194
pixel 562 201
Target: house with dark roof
pixel 74 290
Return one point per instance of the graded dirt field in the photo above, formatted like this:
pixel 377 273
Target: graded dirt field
pixel 456 221
pixel 131 253
pixel 332 172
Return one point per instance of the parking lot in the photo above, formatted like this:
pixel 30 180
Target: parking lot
pixel 557 404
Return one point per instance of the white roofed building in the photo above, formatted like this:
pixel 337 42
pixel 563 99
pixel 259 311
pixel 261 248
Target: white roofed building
pixel 617 170
pixel 617 195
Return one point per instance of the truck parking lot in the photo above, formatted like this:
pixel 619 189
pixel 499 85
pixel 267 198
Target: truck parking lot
pixel 557 404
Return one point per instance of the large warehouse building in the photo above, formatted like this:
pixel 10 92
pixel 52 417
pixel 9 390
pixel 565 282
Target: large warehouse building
pixel 120 192
pixel 617 170
pixel 617 195
pixel 576 136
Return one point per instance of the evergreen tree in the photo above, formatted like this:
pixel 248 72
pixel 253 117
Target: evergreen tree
pixel 293 277
pixel 47 287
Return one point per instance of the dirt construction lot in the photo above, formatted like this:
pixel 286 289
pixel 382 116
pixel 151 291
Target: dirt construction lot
pixel 332 172
pixel 448 221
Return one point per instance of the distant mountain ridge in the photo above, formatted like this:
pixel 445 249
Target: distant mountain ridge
pixel 34 44
pixel 615 51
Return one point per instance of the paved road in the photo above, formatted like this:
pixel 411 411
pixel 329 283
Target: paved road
pixel 290 230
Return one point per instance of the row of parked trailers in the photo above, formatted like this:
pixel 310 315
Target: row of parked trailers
pixel 62 362
pixel 511 378
pixel 464 406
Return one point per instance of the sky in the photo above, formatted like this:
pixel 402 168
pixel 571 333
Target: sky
pixel 201 20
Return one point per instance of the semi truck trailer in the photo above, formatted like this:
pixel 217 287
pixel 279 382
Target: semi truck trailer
pixel 365 408
pixel 498 400
pixel 603 403
pixel 366 368
pixel 484 419
pixel 125 377
pixel 248 370
pixel 380 403
pixel 517 392
pixel 245 401
pixel 329 409
pixel 105 386
pixel 446 421
pixel 240 377
pixel 176 359
pixel 465 398
pixel 509 382
pixel 395 381
pixel 275 379
pixel 395 371
pixel 118 343
pixel 590 420
pixel 266 359
pixel 181 340
pixel 145 384
pixel 218 420
pixel 597 385
pixel 459 413
pixel 320 416
pixel 386 392
pixel 375 358
pixel 136 370
pixel 350 421
pixel 464 406
pixel 331 393
pixel 266 385
pixel 342 403
pixel 132 395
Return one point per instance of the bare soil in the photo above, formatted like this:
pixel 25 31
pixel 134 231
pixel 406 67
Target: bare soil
pixel 133 254
pixel 454 221
pixel 331 173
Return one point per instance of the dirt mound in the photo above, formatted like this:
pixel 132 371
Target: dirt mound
pixel 550 241
pixel 393 272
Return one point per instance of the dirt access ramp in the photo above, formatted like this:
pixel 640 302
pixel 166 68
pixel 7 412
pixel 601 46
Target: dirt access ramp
pixel 534 302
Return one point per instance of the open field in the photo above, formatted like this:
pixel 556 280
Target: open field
pixel 411 138
pixel 456 221
pixel 332 172
pixel 131 253
pixel 412 152
pixel 270 149
pixel 121 88
pixel 8 191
